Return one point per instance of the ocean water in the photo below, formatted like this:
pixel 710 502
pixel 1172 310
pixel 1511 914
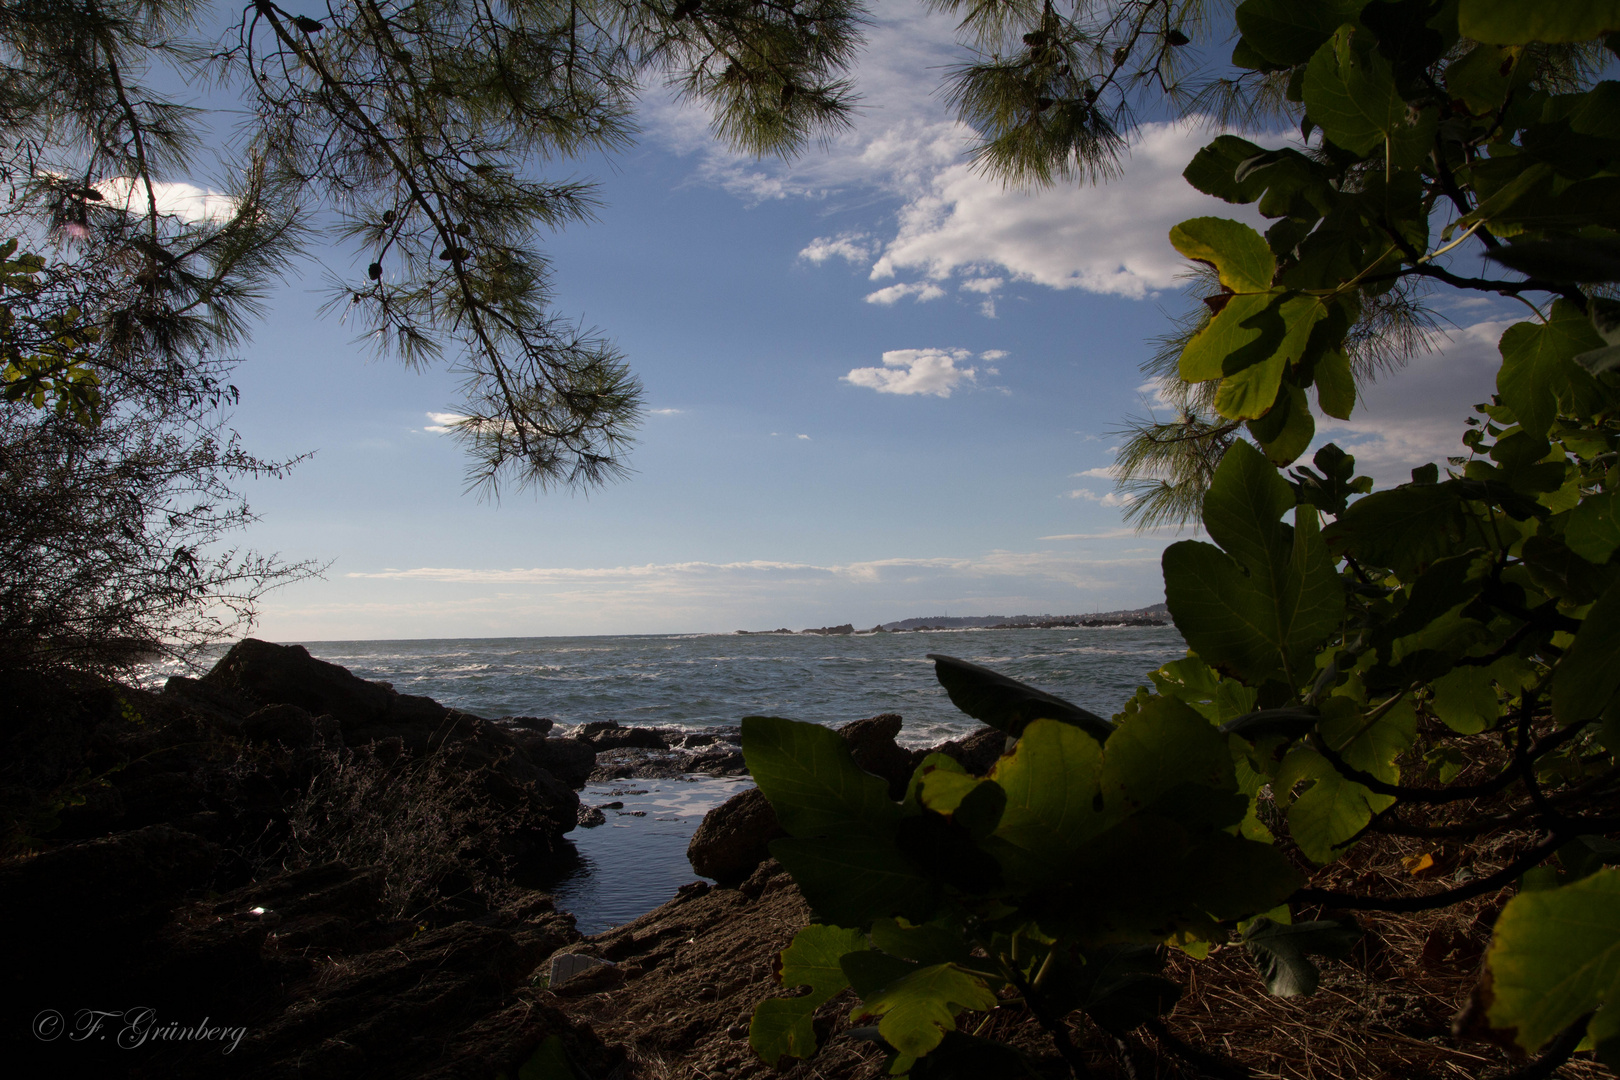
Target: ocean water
pixel 636 861
pixel 701 680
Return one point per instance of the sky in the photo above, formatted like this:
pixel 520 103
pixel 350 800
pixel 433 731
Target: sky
pixel 879 385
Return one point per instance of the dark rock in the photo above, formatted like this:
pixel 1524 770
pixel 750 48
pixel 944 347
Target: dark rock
pixel 214 702
pixel 590 817
pixel 537 724
pixel 733 837
pixel 569 760
pixel 847 628
pixel 978 752
pixel 538 801
pixel 289 725
pixel 610 735
pixel 871 743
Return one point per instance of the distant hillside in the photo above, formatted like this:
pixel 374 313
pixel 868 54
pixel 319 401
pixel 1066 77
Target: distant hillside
pixel 1154 615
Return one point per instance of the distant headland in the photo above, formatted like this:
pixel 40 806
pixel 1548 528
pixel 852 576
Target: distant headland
pixel 1154 615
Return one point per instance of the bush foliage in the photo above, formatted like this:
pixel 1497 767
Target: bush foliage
pixel 1350 650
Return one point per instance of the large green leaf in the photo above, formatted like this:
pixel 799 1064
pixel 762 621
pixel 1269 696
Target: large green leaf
pixel 1588 676
pixel 1539 372
pixel 1350 92
pixel 1236 251
pixel 1007 704
pixel 1163 746
pixel 1193 879
pixel 1250 392
pixel 1261 606
pixel 1405 528
pixel 1565 258
pixel 1593 531
pixel 1213 170
pixel 1052 780
pixel 1246 332
pixel 1329 813
pixel 812 782
pixel 1288 32
pixel 919 1008
pixel 783 1025
pixel 851 880
pixel 1282 951
pixel 1518 22
pixel 1555 956
pixel 1465 700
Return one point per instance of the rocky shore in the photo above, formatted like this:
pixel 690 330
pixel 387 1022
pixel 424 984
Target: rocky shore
pixel 293 872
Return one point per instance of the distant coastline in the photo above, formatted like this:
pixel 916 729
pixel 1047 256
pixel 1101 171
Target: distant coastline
pixel 1153 615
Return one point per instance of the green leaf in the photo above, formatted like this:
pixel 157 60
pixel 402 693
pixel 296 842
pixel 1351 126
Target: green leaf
pixel 1371 745
pixel 1213 170
pixel 1282 951
pixel 1261 606
pixel 1350 93
pixel 1288 32
pixel 1250 392
pixel 548 1062
pixel 1587 676
pixel 1329 813
pixel 1007 704
pixel 1465 700
pixel 784 1025
pixel 1481 80
pixel 1237 252
pixel 851 880
pixel 1286 431
pixel 1404 528
pixel 1519 22
pixel 1163 746
pixel 1335 385
pixel 1244 333
pixel 1593 531
pixel 917 1010
pixel 1052 780
pixel 1555 956
pixel 812 782
pixel 1538 372
pixel 928 944
pixel 1564 258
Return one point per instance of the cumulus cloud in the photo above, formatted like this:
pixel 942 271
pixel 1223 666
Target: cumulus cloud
pixel 853 247
pixel 1111 499
pixel 444 422
pixel 1105 472
pixel 916 371
pixel 1106 238
pixel 982 284
pixel 1415 415
pixel 174 199
pixel 922 290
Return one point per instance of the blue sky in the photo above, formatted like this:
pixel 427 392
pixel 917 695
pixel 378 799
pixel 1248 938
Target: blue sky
pixel 879 386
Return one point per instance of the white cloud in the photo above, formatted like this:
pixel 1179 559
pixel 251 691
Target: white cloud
pixel 915 371
pixel 801 437
pixel 1113 498
pixel 983 284
pixel 444 422
pixel 854 247
pixel 174 199
pixel 1415 415
pixel 1105 472
pixel 994 354
pixel 1106 238
pixel 922 290
pixel 665 412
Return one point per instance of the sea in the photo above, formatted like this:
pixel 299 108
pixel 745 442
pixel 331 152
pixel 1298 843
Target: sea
pixel 636 861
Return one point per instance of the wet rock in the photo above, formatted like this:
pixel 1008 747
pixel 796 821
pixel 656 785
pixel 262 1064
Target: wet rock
pixel 539 725
pixel 590 817
pixel 871 743
pixel 288 725
pixel 978 752
pixel 733 837
pixel 610 735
